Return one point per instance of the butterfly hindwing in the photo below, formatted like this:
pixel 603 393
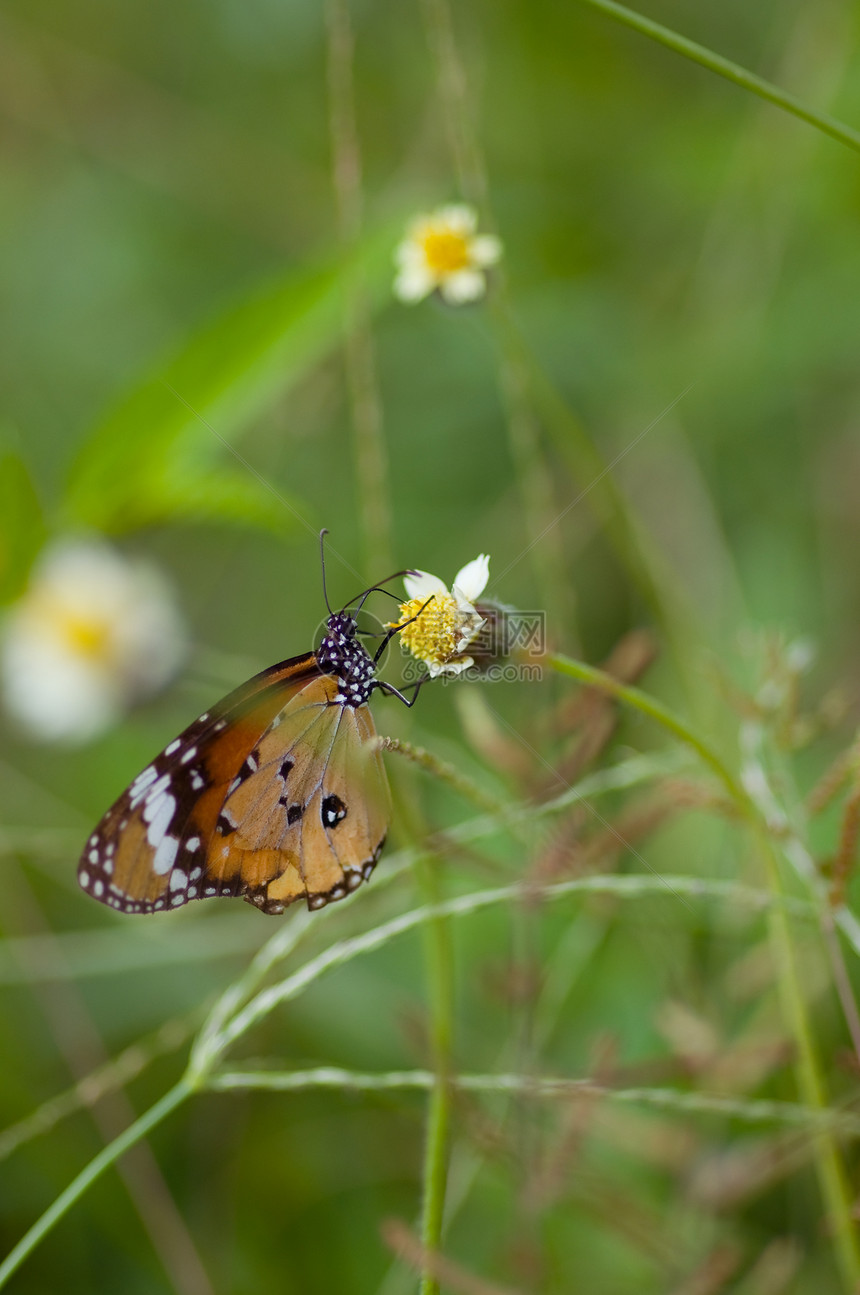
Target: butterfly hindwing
pixel 354 826
pixel 316 764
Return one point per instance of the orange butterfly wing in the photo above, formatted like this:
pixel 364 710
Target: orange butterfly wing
pixel 213 813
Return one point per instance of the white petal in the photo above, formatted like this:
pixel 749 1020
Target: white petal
pixel 459 218
pixel 471 581
pixel 409 253
pixel 456 667
pixel 485 249
pixel 420 584
pixel 138 634
pixel 470 630
pixel 462 286
pixel 418 228
pixel 413 283
pixel 57 696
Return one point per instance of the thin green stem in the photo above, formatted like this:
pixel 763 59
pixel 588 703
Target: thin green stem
pixel 371 455
pixel 533 475
pixel 733 72
pixel 540 1088
pixel 661 714
pixel 440 986
pixel 97 1166
pixel 599 487
pixel 833 1183
pixel 345 950
pixel 832 1180
pixel 834 1186
pixel 116 1073
pixel 444 771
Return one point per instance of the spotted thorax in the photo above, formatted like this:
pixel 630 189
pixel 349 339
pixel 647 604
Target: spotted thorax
pixel 342 655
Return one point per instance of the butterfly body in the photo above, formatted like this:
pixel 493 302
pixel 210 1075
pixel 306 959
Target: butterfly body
pixel 276 794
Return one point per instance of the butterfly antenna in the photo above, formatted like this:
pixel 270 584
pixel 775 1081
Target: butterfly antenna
pixel 378 588
pixel 323 534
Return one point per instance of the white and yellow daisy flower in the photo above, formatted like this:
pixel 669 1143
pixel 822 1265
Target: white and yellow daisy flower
pixel 445 621
pixel 444 250
pixel 94 632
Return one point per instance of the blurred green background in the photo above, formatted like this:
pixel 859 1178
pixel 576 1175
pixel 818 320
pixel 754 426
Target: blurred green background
pixel 679 257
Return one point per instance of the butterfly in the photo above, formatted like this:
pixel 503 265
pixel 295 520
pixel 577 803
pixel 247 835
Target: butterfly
pixel 278 793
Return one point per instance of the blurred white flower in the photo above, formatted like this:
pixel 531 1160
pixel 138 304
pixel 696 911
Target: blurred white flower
pixel 443 250
pixel 442 623
pixel 94 632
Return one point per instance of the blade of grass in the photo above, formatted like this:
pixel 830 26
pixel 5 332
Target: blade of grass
pixel 94 1170
pixel 345 950
pixel 733 72
pixel 199 1074
pixel 834 1186
pixel 540 1088
pixel 370 451
pixel 154 448
pixel 438 956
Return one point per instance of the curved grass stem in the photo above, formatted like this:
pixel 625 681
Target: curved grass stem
pixel 834 1186
pixel 542 1088
pixel 97 1166
pixel 439 964
pixel 733 72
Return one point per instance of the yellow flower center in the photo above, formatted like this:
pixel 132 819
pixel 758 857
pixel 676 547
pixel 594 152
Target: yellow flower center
pixel 89 636
pixel 445 251
pixel 434 636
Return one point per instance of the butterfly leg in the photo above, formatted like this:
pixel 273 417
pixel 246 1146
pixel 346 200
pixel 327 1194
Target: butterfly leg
pixel 395 629
pixel 391 691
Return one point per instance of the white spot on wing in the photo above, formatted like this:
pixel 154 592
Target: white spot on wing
pixel 156 789
pixel 162 860
pixel 140 785
pixel 174 746
pixel 159 818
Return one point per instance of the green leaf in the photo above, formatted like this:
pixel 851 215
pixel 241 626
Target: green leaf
pixel 223 496
pixel 152 457
pixel 22 523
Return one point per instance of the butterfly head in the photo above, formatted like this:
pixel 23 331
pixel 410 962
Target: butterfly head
pixel 341 654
